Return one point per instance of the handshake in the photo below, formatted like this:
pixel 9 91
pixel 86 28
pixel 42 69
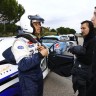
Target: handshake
pixel 77 50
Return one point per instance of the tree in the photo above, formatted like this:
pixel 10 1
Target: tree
pixel 52 30
pixel 10 11
pixel 72 31
pixel 62 30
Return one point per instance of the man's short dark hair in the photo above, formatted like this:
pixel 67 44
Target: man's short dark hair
pixel 90 25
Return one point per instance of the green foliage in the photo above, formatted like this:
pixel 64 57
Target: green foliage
pixel 10 27
pixel 48 33
pixel 10 11
pixel 11 30
pixel 1 27
pixel 62 30
pixel 45 29
pixel 72 31
pixel 52 30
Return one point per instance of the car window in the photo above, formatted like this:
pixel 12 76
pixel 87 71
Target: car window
pixel 63 38
pixel 49 40
pixel 72 38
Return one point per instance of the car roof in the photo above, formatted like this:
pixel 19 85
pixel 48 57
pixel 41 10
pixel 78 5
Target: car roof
pixel 60 37
pixel 53 36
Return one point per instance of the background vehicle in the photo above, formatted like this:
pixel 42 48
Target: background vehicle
pixel 9 83
pixel 71 39
pixel 51 39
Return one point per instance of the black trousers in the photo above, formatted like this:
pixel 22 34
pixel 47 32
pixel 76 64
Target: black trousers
pixel 80 84
pixel 92 89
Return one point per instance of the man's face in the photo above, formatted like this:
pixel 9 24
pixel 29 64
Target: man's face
pixel 37 26
pixel 93 19
pixel 84 29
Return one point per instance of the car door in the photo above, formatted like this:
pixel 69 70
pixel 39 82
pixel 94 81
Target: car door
pixel 60 62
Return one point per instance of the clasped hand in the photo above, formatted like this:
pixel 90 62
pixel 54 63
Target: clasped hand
pixel 43 50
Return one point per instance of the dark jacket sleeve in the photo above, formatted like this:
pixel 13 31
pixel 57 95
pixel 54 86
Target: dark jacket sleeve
pixel 77 50
pixel 30 62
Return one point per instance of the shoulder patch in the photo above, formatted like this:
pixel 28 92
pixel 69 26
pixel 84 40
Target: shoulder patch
pixel 20 47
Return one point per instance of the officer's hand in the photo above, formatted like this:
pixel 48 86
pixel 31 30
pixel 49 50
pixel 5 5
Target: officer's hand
pixel 44 52
pixel 40 47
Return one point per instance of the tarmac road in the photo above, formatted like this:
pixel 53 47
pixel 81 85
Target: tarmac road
pixel 55 85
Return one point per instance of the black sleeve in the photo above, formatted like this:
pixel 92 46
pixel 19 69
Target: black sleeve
pixel 77 50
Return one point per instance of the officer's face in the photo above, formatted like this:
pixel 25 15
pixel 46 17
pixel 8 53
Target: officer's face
pixel 84 29
pixel 93 19
pixel 37 26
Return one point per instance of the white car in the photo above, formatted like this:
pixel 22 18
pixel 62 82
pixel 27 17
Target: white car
pixel 71 39
pixel 9 83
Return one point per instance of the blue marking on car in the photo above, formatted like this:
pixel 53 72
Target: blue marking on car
pixel 13 90
pixel 7 77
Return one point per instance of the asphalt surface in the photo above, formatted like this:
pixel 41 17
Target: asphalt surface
pixel 55 85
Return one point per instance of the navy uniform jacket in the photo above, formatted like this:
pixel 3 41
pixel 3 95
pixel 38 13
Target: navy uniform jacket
pixel 30 73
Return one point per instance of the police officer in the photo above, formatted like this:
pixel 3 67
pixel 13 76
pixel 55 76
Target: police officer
pixel 28 54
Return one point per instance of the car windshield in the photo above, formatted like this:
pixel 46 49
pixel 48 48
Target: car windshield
pixel 63 38
pixel 49 40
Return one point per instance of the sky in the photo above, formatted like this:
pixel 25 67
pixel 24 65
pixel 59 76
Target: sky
pixel 61 13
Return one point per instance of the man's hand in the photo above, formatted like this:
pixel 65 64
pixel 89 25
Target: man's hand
pixel 40 47
pixel 43 50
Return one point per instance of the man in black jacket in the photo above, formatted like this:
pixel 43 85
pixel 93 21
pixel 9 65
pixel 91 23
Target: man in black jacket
pixel 81 72
pixel 92 89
